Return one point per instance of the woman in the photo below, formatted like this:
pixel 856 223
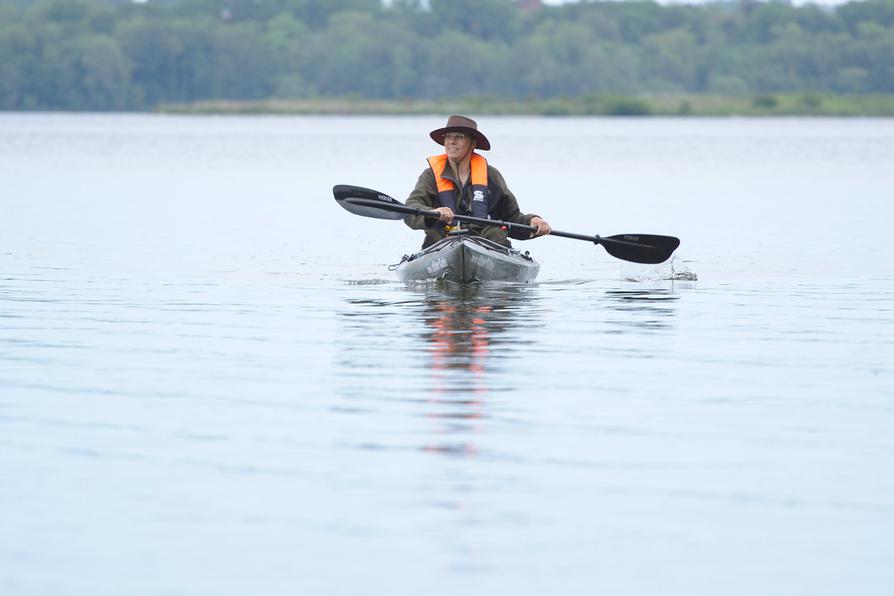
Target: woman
pixel 460 181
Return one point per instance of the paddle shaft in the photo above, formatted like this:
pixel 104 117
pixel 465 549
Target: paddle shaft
pixel 636 248
pixel 508 225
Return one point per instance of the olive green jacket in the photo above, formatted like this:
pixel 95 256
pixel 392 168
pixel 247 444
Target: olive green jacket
pixel 503 207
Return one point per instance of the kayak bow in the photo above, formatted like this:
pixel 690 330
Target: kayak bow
pixel 465 259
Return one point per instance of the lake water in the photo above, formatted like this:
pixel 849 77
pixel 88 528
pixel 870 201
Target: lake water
pixel 210 382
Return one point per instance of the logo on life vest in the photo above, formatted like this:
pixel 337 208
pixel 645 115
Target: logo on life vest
pixel 478 195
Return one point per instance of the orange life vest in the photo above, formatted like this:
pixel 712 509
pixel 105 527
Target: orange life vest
pixel 447 189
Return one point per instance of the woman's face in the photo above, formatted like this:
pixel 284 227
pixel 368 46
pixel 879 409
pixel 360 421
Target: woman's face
pixel 458 145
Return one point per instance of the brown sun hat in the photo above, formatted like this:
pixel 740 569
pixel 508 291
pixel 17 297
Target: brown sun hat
pixel 458 123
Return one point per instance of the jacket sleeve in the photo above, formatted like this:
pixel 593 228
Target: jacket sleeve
pixel 424 196
pixel 507 208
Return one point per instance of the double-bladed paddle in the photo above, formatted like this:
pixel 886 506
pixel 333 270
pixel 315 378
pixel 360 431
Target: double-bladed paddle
pixel 636 248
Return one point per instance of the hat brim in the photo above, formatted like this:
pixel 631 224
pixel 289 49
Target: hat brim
pixel 481 140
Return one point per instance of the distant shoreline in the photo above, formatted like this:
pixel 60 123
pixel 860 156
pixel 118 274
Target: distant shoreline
pixel 760 105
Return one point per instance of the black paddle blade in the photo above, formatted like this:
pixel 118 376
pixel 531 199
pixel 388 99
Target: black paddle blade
pixel 373 203
pixel 640 248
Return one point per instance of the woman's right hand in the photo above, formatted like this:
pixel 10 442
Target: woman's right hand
pixel 445 214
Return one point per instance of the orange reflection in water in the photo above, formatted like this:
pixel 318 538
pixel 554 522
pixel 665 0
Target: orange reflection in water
pixel 460 346
pixel 460 340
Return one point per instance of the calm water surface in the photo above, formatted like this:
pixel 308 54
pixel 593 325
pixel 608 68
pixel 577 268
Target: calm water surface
pixel 210 383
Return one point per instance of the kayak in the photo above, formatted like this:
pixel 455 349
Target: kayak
pixel 465 259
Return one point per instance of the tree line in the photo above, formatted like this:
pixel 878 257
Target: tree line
pixel 126 55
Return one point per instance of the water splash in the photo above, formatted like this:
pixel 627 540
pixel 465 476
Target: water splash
pixel 672 270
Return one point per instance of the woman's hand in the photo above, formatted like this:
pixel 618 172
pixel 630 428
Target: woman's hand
pixel 446 214
pixel 542 226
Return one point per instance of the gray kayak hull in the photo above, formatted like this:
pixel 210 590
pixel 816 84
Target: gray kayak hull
pixel 468 259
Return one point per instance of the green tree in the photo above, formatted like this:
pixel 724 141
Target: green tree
pixel 117 54
pixel 361 55
pixel 106 75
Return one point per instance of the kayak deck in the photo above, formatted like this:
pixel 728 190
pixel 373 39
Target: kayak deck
pixel 466 259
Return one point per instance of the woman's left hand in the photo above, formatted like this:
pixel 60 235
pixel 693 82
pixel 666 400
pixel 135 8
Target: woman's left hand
pixel 542 226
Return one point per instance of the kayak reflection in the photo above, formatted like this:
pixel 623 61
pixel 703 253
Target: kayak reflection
pixel 433 352
pixel 451 339
pixel 470 333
